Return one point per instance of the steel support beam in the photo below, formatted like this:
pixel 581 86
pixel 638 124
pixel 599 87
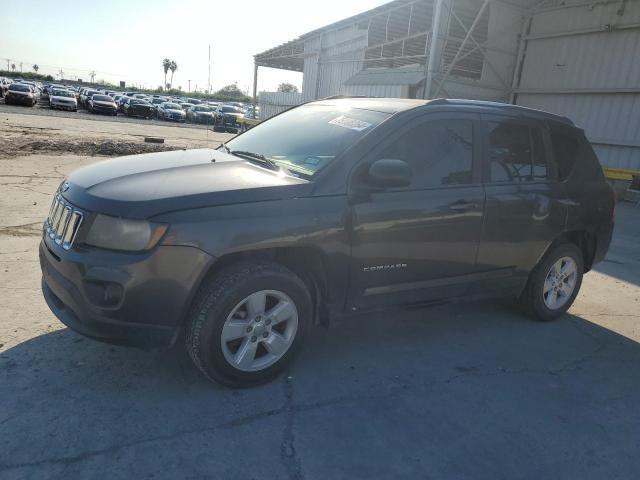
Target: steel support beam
pixel 467 37
pixel 433 48
pixel 255 85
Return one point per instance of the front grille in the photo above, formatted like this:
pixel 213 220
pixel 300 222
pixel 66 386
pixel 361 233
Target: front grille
pixel 63 222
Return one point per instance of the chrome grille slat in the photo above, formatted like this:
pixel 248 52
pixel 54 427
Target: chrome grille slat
pixel 63 222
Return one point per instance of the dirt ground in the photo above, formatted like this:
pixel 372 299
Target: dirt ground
pixel 27 134
pixel 466 391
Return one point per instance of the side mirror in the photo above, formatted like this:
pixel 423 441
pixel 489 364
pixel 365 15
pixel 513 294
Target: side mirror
pixel 389 173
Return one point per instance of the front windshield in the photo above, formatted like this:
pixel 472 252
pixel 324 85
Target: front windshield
pixel 62 93
pixel 307 138
pixel 202 109
pixel 172 106
pixel 231 110
pixel 102 98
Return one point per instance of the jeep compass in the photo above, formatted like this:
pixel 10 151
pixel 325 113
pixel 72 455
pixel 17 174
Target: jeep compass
pixel 336 206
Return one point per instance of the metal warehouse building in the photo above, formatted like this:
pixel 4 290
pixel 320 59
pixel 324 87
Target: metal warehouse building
pixel 572 57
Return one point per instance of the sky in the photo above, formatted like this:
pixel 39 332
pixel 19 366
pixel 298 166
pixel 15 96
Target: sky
pixel 127 40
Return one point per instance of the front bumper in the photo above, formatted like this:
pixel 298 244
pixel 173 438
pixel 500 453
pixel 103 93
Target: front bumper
pixel 19 100
pixel 152 291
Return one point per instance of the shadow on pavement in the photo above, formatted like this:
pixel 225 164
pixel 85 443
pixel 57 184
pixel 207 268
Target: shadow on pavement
pixel 465 391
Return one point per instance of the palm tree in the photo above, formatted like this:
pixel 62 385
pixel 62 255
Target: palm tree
pixel 166 63
pixel 36 68
pixel 173 67
pixel 13 67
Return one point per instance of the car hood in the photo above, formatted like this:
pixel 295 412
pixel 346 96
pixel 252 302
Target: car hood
pixel 59 97
pixel 103 103
pixel 174 111
pixel 142 186
pixel 232 114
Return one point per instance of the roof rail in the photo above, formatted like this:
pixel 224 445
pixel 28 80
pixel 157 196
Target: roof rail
pixel 338 97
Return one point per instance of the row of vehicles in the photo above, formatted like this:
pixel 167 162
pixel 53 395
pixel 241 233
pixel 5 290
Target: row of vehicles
pixel 232 117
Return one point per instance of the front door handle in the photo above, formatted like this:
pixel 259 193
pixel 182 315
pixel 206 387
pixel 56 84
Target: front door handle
pixel 462 206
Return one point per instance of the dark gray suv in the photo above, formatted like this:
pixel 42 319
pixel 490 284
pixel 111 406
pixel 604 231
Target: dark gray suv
pixel 332 207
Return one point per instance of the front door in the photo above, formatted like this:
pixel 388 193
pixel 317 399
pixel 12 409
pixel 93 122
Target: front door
pixel 419 243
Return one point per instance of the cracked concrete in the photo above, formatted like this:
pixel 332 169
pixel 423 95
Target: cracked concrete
pixel 466 391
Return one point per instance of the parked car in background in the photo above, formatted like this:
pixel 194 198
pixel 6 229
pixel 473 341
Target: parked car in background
pixel 120 103
pixel 62 99
pixel 4 86
pixel 85 96
pixel 137 107
pixel 99 103
pixel 20 94
pixel 226 118
pixel 200 114
pixel 171 111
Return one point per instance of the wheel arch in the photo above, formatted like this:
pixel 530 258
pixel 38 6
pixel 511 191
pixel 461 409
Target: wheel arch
pixel 585 240
pixel 307 262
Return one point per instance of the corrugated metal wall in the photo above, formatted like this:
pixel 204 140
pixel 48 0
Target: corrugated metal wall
pixel 583 61
pixel 272 103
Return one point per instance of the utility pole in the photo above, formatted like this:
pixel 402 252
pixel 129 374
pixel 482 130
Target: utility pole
pixel 8 62
pixel 189 85
pixel 20 67
pixel 209 77
pixel 61 73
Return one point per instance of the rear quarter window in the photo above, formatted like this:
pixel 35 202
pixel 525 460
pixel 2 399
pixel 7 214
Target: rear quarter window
pixel 574 156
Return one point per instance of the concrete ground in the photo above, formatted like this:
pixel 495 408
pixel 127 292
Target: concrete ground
pixel 466 391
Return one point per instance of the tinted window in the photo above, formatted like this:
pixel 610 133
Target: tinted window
pixel 565 150
pixel 102 98
pixel 439 153
pixel 516 153
pixel 16 87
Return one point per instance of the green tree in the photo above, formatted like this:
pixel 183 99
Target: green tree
pixel 287 88
pixel 36 67
pixel 13 67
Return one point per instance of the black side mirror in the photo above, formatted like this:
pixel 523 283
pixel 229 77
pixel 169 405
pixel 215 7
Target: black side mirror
pixel 389 173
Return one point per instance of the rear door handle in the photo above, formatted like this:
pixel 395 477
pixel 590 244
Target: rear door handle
pixel 462 206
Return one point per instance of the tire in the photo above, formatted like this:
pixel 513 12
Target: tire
pixel 539 304
pixel 222 297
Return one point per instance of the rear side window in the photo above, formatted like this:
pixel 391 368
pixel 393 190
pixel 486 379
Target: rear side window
pixel 565 152
pixel 439 153
pixel 516 153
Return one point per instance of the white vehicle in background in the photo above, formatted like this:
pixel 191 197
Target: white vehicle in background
pixel 63 99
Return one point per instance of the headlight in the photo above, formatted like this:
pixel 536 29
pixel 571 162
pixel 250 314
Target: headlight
pixel 124 234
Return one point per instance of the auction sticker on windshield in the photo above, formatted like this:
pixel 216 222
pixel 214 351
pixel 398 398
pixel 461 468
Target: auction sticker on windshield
pixel 350 123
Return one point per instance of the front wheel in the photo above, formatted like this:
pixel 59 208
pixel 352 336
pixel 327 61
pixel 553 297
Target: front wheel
pixel 247 323
pixel 554 283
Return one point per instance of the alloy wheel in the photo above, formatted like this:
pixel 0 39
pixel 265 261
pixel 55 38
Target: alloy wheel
pixel 560 283
pixel 259 330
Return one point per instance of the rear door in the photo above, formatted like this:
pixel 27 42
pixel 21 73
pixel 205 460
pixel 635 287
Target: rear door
pixel 526 205
pixel 419 243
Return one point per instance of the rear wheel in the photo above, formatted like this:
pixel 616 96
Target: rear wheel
pixel 555 282
pixel 247 323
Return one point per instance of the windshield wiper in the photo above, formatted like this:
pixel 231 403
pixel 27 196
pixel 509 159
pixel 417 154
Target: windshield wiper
pixel 256 157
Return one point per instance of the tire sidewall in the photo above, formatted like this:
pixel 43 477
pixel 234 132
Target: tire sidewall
pixel 564 250
pixel 210 352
